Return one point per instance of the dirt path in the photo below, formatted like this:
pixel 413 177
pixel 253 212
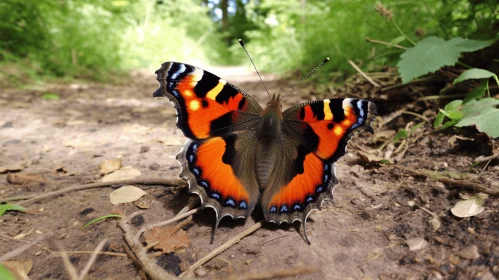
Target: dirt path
pixel 361 234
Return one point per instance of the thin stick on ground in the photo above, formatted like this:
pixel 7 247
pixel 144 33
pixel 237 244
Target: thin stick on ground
pixel 167 222
pixel 453 182
pixel 92 259
pixel 148 265
pixel 288 272
pixel 19 250
pixel 130 254
pixel 173 182
pixel 222 248
pixel 73 275
pixel 363 74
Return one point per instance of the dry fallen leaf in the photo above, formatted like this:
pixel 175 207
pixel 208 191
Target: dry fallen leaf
pixel 469 207
pixel 20 269
pixel 11 168
pixel 23 179
pixel 435 222
pixel 123 173
pixel 417 243
pixel 167 239
pixel 126 194
pixel 109 165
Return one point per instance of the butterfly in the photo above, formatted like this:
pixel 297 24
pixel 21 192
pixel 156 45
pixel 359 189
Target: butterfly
pixel 239 154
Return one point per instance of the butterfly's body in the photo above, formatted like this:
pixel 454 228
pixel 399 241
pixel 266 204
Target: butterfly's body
pixel 240 154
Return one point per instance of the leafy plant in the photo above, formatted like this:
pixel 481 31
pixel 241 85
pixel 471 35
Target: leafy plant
pixel 433 53
pixel 10 207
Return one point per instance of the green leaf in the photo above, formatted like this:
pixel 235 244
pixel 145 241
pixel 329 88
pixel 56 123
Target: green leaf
pixel 453 106
pixel 402 134
pixel 474 73
pixel 5 274
pixel 484 114
pixel 10 207
pixel 50 96
pixel 476 93
pixel 438 120
pixel 397 40
pixel 101 218
pixel 432 53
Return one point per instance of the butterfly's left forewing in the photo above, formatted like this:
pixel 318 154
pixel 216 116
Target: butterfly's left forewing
pixel 218 159
pixel 316 135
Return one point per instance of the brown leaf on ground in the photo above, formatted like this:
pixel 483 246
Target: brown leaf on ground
pixel 20 269
pixel 109 165
pixel 126 194
pixel 167 239
pixel 123 173
pixel 14 167
pixel 23 179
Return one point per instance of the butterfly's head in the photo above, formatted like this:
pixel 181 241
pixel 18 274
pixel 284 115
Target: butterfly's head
pixel 274 102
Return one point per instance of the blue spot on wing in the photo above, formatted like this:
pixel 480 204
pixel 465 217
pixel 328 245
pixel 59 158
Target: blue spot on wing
pixel 273 209
pixel 215 195
pixel 230 202
pixel 243 205
pixel 284 209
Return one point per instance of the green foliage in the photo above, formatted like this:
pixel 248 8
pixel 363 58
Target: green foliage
pixel 5 274
pixel 433 53
pixel 101 218
pixel 90 39
pixel 451 111
pixel 10 207
pixel 475 73
pixel 50 96
pixel 483 114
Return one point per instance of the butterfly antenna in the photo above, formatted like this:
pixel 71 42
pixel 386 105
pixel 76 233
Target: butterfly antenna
pixel 324 62
pixel 242 45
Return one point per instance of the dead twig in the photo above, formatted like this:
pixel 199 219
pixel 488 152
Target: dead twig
pixel 148 265
pixel 19 250
pixel 459 183
pixel 222 248
pixel 140 181
pixel 167 222
pixel 73 275
pixel 92 259
pixel 130 254
pixel 363 74
pixel 288 272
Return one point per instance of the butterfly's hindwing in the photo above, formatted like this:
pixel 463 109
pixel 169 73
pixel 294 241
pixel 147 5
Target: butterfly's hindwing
pixel 208 165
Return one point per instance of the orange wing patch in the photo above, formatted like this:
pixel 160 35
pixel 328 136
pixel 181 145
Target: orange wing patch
pixel 205 161
pixel 329 142
pixel 304 188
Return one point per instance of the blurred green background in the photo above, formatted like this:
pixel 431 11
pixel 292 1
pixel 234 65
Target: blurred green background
pixel 96 39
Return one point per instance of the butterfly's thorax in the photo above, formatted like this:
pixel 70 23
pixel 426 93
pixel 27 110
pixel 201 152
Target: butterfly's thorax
pixel 268 132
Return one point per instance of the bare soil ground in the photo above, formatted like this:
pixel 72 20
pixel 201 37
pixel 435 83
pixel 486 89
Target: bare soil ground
pixel 361 234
